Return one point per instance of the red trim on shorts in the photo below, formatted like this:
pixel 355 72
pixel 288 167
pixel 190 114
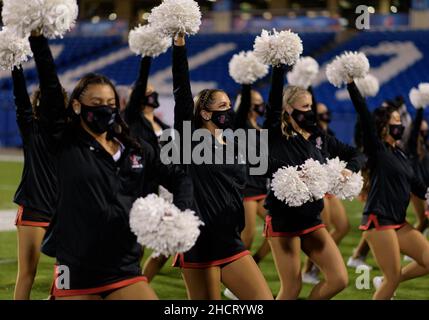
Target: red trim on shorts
pixel 329 196
pixel 373 218
pixel 20 222
pixel 255 198
pixel 269 232
pixel 93 291
pixel 427 213
pixel 205 265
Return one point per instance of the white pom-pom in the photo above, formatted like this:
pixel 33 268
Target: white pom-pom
pixel 344 189
pixel 147 41
pixel 22 16
pixel 13 50
pixel 59 16
pixel 244 68
pixel 162 227
pixel 303 73
pixel 54 17
pixel 368 86
pixel 315 177
pixel 289 188
pixel 176 16
pixel 276 48
pixel 416 99
pixel 424 93
pixel 165 194
pixel 352 65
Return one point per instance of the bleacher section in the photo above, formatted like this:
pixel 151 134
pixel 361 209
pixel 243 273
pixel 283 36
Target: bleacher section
pixel 399 59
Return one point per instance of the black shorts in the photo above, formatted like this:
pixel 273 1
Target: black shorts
pixel 213 248
pixel 91 283
pixel 372 221
pixel 31 217
pixel 284 226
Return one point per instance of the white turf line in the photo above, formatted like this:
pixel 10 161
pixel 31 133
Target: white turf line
pixel 7 220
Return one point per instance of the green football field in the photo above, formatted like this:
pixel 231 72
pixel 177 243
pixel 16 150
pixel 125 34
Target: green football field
pixel 168 284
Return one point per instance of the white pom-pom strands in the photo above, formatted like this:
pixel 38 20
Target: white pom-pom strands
pixel 304 72
pixel 344 189
pixel 162 227
pixel 368 86
pixel 288 187
pixel 147 41
pixel 176 16
pixel 349 65
pixel 53 17
pixel 314 175
pixel 244 68
pixel 419 97
pixel 277 48
pixel 13 50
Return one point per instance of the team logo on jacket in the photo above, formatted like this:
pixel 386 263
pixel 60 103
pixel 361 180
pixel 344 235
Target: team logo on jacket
pixel 319 143
pixel 136 162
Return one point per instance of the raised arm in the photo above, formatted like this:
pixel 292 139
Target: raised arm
pixel 275 99
pixel 184 103
pixel 24 109
pixel 414 134
pixel 242 113
pixel 371 141
pixel 52 102
pixel 133 108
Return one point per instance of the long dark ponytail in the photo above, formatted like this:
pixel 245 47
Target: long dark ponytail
pixel 120 129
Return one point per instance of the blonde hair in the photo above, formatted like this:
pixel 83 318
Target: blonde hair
pixel 290 95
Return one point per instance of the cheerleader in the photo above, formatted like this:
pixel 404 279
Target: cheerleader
pixel 219 254
pixel 144 124
pixel 392 179
pixel 250 107
pixel 101 172
pixel 37 191
pixel 419 156
pixel 333 214
pixel 291 122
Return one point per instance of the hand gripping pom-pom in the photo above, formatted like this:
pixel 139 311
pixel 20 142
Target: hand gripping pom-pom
pixel 162 227
pixel 277 48
pixel 13 50
pixel 147 41
pixel 368 86
pixel 344 189
pixel 289 188
pixel 315 177
pixel 304 72
pixel 176 16
pixel 244 68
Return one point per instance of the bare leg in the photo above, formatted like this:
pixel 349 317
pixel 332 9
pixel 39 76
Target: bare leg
pixel 202 284
pixel 245 280
pixel 137 291
pixel 264 249
pixel 321 248
pixel 81 297
pixel 29 242
pixel 384 245
pixel 414 245
pixel 339 221
pixel 153 266
pixel 419 209
pixel 362 249
pixel 286 253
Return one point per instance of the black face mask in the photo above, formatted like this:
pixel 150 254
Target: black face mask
pixel 325 117
pixel 223 119
pixel 259 109
pixel 396 131
pixel 305 119
pixel 151 100
pixel 100 118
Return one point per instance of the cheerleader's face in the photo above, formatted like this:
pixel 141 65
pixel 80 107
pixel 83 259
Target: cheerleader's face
pixel 258 107
pixel 96 95
pixel 220 102
pixel 302 103
pixel 395 118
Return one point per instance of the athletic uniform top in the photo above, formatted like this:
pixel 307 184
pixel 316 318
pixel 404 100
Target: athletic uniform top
pixel 38 186
pixel 391 175
pixel 91 231
pixel 256 185
pixel 140 126
pixel 295 150
pixel 420 163
pixel 217 187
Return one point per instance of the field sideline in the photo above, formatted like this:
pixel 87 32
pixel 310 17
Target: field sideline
pixel 168 284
